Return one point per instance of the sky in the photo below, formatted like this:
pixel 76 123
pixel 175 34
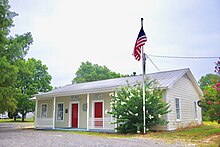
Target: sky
pixel 68 32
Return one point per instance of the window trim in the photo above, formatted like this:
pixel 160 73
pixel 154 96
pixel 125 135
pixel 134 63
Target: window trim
pixel 180 119
pixel 41 110
pixel 57 112
pixel 195 110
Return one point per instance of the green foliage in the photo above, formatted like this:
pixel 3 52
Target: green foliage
pixel 7 79
pixel 208 80
pixel 19 79
pixel 211 100
pixel 32 79
pixel 127 107
pixel 88 72
pixel 5 20
pixel 18 46
pixel 12 49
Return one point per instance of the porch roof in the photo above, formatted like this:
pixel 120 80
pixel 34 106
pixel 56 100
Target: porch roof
pixel 166 79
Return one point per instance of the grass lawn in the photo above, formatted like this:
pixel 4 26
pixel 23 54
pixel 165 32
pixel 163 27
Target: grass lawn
pixel 207 134
pixel 17 120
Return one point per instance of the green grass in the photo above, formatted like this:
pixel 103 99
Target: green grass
pixel 17 120
pixel 195 135
pixel 198 135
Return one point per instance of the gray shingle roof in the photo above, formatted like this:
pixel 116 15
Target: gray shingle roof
pixel 165 79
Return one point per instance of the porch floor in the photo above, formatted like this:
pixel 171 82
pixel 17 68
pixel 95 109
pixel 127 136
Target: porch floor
pixel 78 129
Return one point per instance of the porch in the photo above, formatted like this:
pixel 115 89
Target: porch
pixel 79 112
pixel 106 124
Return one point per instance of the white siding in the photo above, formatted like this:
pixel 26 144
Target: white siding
pixel 64 123
pixel 83 114
pixel 186 92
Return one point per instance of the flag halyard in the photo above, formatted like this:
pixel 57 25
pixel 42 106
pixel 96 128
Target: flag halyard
pixel 141 39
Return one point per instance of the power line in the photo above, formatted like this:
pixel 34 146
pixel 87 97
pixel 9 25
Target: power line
pixel 184 57
pixel 152 62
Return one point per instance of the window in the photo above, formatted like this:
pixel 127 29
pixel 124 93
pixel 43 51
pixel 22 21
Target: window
pixel 60 112
pixel 177 102
pixel 195 110
pixel 43 110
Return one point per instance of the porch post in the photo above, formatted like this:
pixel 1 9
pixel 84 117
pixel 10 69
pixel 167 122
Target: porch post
pixel 87 111
pixel 116 124
pixel 54 107
pixel 35 119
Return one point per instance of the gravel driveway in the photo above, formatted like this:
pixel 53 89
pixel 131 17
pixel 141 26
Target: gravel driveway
pixel 12 134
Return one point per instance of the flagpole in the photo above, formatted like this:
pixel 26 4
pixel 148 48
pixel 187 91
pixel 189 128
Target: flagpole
pixel 143 68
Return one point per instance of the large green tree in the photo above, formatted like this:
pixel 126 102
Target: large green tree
pixel 88 72
pixel 12 49
pixel 32 79
pixel 208 79
pixel 20 79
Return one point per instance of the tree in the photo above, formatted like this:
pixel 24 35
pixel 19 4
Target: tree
pixel 127 107
pixel 7 91
pixel 88 72
pixel 12 49
pixel 211 100
pixel 32 79
pixel 208 79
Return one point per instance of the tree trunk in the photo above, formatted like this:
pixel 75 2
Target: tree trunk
pixel 15 114
pixel 23 115
pixel 10 115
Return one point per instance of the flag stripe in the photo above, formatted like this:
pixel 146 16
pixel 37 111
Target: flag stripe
pixel 141 39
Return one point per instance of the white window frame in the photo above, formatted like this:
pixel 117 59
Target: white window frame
pixel 41 110
pixel 195 110
pixel 178 119
pixel 58 110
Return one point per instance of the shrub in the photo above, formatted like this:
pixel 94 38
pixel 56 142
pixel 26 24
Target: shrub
pixel 127 107
pixel 211 102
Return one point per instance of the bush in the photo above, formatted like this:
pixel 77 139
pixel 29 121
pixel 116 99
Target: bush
pixel 127 107
pixel 211 102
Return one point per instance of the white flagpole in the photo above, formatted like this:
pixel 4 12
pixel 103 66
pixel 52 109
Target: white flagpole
pixel 143 68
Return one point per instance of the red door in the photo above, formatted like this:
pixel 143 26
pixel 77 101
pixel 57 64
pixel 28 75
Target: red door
pixel 98 114
pixel 75 115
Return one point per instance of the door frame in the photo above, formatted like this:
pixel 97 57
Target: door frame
pixel 70 113
pixel 93 111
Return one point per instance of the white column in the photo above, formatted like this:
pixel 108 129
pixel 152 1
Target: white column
pixel 116 124
pixel 54 107
pixel 35 120
pixel 87 112
pixel 103 114
pixel 167 115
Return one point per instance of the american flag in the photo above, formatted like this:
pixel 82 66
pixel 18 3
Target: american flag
pixel 141 39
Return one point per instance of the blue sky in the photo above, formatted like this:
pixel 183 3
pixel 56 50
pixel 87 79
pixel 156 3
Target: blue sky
pixel 68 32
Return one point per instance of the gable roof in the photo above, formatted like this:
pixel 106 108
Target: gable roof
pixel 166 79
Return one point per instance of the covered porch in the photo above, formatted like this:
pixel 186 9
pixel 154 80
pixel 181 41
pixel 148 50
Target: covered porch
pixel 84 112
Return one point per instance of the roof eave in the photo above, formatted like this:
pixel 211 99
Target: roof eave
pixel 70 93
